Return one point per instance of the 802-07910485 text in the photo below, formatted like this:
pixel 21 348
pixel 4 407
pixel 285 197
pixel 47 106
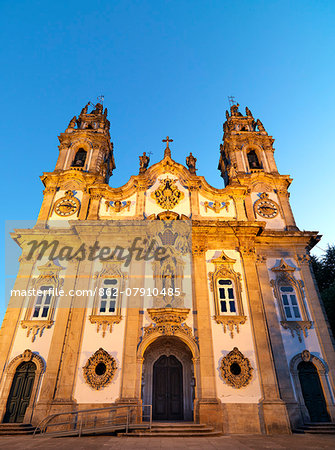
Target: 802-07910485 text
pixel 148 292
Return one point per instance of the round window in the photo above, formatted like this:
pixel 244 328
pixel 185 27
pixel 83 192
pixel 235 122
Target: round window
pixel 100 368
pixel 235 369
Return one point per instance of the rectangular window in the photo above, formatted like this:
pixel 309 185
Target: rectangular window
pixel 109 295
pixel 42 303
pixel 290 303
pixel 227 300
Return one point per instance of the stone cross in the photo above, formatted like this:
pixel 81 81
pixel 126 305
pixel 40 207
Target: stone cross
pixel 167 151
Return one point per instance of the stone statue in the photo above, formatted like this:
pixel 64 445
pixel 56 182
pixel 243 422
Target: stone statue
pixel 234 110
pixel 144 162
pixel 190 162
pixel 105 112
pixel 84 110
pixel 98 109
pixel 227 115
pixel 260 125
pixel 248 112
pixel 72 123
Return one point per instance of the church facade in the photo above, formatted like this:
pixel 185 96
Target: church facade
pixel 210 314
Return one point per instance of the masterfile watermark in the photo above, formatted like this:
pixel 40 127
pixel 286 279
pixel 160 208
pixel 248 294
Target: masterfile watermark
pixel 140 250
pixel 102 265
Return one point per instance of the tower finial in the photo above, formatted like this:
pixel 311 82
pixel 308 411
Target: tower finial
pixel 167 151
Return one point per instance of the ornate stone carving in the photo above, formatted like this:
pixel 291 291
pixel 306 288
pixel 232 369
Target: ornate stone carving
pixel 236 369
pixel 105 322
pixel 99 369
pixel 216 206
pixel 167 195
pixel 231 323
pixel 296 327
pixel 168 321
pixel 305 355
pixel 260 259
pixel 199 249
pixel 118 205
pixel 304 259
pixel 35 327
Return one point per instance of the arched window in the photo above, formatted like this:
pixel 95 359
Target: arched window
pixel 226 296
pixel 290 297
pixel 290 302
pixel 110 286
pixel 108 296
pixel 80 158
pixel 42 303
pixel 253 160
pixel 226 286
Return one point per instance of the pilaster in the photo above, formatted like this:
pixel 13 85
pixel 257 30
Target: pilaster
pixel 283 196
pixel 208 407
pixel 276 343
pixel 274 410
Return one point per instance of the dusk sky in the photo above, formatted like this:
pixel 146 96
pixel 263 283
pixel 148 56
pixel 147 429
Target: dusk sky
pixel 167 68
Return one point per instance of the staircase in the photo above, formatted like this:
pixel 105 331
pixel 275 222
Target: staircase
pixel 316 428
pixel 181 429
pixel 16 428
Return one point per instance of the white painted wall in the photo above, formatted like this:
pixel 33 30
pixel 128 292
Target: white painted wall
pixel 223 343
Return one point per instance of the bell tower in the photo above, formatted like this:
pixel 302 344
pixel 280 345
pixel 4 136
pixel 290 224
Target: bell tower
pixel 85 158
pixel 246 158
pixel 247 148
pixel 86 146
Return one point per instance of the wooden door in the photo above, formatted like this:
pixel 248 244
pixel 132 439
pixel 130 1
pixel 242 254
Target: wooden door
pixel 167 389
pixel 312 392
pixel 20 393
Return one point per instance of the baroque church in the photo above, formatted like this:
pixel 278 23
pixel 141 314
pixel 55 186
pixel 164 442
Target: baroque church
pixel 214 319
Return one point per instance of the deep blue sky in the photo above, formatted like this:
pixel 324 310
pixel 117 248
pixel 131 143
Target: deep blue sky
pixel 167 67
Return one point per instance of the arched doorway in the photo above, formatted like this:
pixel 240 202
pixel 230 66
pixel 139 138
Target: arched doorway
pixel 20 393
pixel 312 392
pixel 168 382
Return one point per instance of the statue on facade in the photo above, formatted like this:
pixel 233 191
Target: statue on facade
pixel 248 112
pixel 73 122
pixel 144 162
pixel 98 109
pixel 234 110
pixel 232 173
pixel 84 110
pixel 190 162
pixel 260 125
pixel 227 115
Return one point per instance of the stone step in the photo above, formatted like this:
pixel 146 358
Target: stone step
pixel 182 429
pixel 172 434
pixel 16 428
pixel 316 428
